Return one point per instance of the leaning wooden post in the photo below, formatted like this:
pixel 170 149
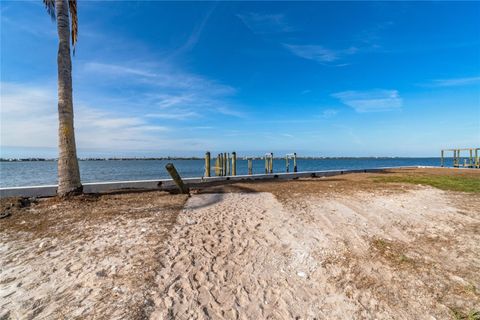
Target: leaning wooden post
pixel 294 162
pixel 250 171
pixel 176 178
pixel 287 164
pixel 207 164
pixel 441 159
pixel 234 163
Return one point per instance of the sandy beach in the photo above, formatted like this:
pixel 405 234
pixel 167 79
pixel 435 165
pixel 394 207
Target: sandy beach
pixel 344 247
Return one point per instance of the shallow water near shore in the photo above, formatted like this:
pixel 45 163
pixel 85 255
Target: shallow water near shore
pixel 31 173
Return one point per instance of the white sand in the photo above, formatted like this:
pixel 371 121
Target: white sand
pixel 321 254
pixel 248 256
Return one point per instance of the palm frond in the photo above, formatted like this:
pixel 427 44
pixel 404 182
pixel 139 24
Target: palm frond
pixel 50 6
pixel 72 5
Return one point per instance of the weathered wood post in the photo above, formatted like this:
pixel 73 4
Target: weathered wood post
pixel 271 162
pixel 294 162
pixel 222 172
pixel 454 157
pixel 477 161
pixel 229 168
pixel 287 163
pixel 219 165
pixel 441 159
pixel 471 159
pixel 250 165
pixel 266 164
pixel 176 178
pixel 225 164
pixel 207 164
pixel 234 163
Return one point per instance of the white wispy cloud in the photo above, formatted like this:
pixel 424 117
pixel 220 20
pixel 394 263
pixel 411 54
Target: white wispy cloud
pixel 174 115
pixel 371 100
pixel 117 70
pixel 194 37
pixel 157 75
pixel 319 53
pixel 265 23
pixel 454 82
pixel 329 113
pixel 168 92
pixel 29 118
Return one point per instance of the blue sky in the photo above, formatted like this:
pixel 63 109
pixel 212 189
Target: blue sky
pixel 180 78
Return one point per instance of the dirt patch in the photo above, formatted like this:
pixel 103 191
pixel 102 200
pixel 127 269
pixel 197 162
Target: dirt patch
pixel 89 257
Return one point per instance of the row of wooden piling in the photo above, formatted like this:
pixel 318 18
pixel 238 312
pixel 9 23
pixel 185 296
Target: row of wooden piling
pixel 226 164
pixel 472 161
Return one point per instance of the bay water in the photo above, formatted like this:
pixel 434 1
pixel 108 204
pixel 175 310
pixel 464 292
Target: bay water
pixel 35 173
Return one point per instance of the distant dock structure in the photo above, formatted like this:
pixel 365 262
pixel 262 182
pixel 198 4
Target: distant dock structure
pixel 471 160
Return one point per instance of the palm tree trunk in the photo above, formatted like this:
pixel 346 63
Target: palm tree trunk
pixel 68 170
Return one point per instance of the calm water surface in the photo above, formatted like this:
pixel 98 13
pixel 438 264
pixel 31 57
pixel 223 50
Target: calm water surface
pixel 13 174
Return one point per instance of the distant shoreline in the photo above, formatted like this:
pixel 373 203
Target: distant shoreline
pixel 198 158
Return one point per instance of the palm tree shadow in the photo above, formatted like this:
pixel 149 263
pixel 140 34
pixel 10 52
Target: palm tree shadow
pixel 209 196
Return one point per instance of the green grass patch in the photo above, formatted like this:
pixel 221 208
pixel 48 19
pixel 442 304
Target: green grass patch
pixel 459 315
pixel 454 183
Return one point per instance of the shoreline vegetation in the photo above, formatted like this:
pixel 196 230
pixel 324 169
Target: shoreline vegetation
pixel 443 182
pixel 201 158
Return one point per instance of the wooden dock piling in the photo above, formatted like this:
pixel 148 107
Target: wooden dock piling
pixel 218 165
pixel 250 166
pixel 477 160
pixel 207 164
pixel 472 162
pixel 294 162
pixel 271 162
pixel 234 163
pixel 225 164
pixel 229 167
